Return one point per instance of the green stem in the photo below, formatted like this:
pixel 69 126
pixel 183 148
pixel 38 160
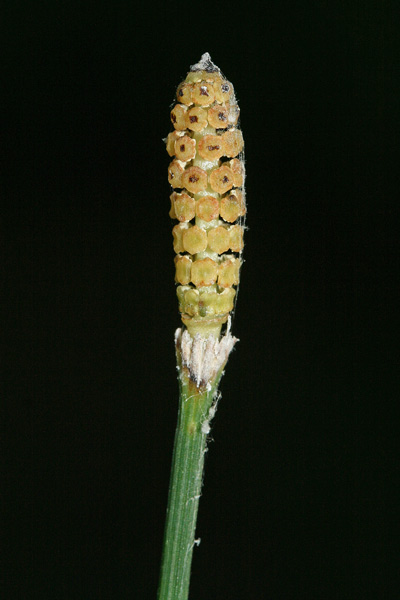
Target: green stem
pixel 185 487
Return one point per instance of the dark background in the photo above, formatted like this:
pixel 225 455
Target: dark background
pixel 299 490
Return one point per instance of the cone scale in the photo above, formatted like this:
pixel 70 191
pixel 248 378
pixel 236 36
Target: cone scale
pixel 208 202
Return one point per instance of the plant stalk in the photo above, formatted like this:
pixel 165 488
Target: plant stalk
pixel 185 486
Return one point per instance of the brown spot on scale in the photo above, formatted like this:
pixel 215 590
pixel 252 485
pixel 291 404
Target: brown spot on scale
pixel 223 91
pixel 184 93
pixel 178 116
pixel 221 179
pixel 185 148
pixel 196 118
pixel 194 179
pixel 233 206
pixel 175 171
pixel 210 147
pixel 218 116
pixel 203 93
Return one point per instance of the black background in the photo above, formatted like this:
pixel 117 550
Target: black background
pixel 299 496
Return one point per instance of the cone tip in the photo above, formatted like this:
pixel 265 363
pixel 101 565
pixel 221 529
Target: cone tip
pixel 205 64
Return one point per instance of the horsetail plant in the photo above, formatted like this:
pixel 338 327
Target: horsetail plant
pixel 207 176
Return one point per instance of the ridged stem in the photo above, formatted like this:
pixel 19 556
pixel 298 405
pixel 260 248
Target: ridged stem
pixel 185 487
